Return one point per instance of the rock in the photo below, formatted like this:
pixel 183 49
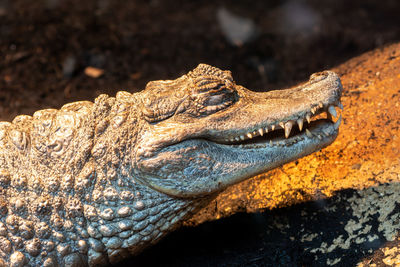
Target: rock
pixel 93 72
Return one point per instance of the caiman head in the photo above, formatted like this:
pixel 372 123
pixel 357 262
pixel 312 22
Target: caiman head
pixel 202 132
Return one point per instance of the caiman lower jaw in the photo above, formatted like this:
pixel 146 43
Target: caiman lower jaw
pixel 284 134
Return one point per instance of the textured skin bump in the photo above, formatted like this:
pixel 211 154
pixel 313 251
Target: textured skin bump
pixel 92 183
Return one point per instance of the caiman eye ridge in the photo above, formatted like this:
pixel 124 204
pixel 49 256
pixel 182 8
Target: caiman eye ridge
pixel 283 133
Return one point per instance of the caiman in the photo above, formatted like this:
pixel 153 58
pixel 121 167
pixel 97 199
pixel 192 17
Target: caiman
pixel 93 183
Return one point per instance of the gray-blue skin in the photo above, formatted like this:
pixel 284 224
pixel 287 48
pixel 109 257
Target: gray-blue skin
pixel 93 183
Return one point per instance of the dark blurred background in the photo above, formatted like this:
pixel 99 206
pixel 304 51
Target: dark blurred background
pixel 53 52
pixel 46 45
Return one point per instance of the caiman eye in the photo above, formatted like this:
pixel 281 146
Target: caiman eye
pixel 213 93
pixel 215 100
pixel 212 103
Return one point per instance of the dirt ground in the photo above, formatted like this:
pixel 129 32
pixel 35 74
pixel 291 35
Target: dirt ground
pixel 46 46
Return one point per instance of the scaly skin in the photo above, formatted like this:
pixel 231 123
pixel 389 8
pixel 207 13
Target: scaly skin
pixel 93 183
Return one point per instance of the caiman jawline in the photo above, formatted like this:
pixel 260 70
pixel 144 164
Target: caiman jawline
pixel 283 132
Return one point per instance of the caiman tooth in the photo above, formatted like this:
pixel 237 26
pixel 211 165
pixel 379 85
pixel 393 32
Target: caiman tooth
pixel 338 122
pixel 288 128
pixel 332 111
pixel 308 133
pixel 237 138
pixel 266 129
pixel 273 127
pixel 308 118
pixel 329 117
pixel 321 105
pixel 249 135
pixel 300 123
pixel 340 105
pixel 312 110
pixel 319 137
pixel 282 125
pixel 261 131
pixel 326 132
pixel 242 137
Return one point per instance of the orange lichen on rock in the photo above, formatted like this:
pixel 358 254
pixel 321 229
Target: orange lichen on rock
pixel 366 153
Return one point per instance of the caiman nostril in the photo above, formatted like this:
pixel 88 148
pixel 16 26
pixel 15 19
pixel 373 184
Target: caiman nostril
pixel 316 77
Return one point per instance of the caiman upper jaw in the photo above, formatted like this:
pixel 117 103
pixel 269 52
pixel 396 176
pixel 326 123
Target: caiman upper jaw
pixel 286 127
